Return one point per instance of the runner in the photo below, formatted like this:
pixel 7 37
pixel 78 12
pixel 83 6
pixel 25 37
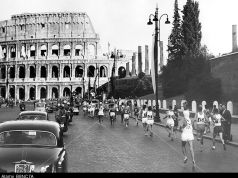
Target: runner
pixel 112 114
pixel 200 120
pixel 217 118
pixel 187 134
pixel 122 107
pixel 136 113
pixel 150 120
pixel 100 113
pixel 85 108
pixel 176 119
pixel 126 115
pixel 170 123
pixel 143 114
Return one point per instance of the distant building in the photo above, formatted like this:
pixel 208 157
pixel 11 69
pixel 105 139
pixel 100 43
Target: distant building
pixel 50 55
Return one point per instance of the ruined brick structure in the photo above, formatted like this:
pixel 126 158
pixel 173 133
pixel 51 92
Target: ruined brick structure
pixel 49 55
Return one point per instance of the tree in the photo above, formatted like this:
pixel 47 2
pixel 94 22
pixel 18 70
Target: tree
pixel 175 38
pixel 191 29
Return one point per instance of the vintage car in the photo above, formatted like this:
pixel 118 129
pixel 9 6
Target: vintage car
pixel 33 115
pixel 31 146
pixel 49 107
pixel 40 106
pixel 76 110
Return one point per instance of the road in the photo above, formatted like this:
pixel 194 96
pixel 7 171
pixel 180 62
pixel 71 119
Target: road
pixel 93 147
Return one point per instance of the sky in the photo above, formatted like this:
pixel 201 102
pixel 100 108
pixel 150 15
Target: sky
pixel 123 23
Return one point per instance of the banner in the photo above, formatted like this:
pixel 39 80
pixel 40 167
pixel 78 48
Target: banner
pixel 153 65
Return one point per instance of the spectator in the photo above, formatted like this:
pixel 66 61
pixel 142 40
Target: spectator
pixel 226 124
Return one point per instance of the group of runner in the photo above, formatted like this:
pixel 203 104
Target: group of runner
pixel 147 113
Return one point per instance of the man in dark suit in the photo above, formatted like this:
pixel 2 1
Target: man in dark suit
pixel 226 124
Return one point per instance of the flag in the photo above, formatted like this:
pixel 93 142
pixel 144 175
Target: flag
pixel 153 65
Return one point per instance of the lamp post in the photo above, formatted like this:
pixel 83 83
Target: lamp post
pixel 157 33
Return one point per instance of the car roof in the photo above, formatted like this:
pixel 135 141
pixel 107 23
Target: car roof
pixel 44 125
pixel 33 112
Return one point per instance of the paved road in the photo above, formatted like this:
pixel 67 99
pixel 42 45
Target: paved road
pixel 101 148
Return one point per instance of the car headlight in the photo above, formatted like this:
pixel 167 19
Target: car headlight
pixel 44 168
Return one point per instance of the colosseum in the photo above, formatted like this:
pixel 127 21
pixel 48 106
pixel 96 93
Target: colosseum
pixel 50 55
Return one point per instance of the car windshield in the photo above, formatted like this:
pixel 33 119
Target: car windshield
pixel 33 117
pixel 28 137
pixel 40 105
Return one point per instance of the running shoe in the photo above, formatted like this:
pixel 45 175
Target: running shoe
pixel 213 147
pixel 224 147
pixel 185 160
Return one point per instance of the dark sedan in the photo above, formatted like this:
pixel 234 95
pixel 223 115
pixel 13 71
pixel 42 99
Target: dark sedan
pixel 33 115
pixel 32 146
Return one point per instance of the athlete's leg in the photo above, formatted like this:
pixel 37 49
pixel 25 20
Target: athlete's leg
pixel 191 150
pixel 222 140
pixel 184 151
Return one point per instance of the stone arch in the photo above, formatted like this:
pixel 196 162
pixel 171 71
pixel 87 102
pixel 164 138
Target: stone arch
pixel 22 93
pixel 55 50
pixel 78 90
pixel 3 72
pixel 66 71
pixel 79 50
pixel 67 50
pixel 12 52
pixel 43 50
pixel 43 93
pixel 22 72
pixel 55 72
pixel 55 92
pixel 79 71
pixel 32 51
pixel 66 92
pixel 103 71
pixel 32 72
pixel 12 72
pixel 121 72
pixel 12 92
pixel 91 71
pixel 3 91
pixel 43 72
pixel 32 93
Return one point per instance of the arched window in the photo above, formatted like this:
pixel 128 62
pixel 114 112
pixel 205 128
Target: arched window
pixel 55 93
pixel 55 50
pixel 43 50
pixel 122 72
pixel 103 71
pixel 32 51
pixel 55 73
pixel 13 52
pixel 66 92
pixel 22 72
pixel 66 71
pixel 67 50
pixel 79 71
pixel 32 72
pixel 91 71
pixel 43 73
pixel 78 50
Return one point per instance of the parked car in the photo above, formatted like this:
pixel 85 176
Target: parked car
pixel 76 110
pixel 28 147
pixel 40 106
pixel 49 107
pixel 33 115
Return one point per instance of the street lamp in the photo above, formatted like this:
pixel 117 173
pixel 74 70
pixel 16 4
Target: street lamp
pixel 157 32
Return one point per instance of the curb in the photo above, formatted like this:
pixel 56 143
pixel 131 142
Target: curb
pixel 205 136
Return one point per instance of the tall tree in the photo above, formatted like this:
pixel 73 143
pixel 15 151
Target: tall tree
pixel 191 29
pixel 175 38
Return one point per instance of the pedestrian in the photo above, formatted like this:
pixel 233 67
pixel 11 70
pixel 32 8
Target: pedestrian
pixel 136 113
pixel 176 119
pixel 112 114
pixel 170 122
pixel 127 115
pixel 200 119
pixel 122 107
pixel 226 124
pixel 208 120
pixel 150 121
pixel 143 114
pixel 100 113
pixel 187 134
pixel 217 118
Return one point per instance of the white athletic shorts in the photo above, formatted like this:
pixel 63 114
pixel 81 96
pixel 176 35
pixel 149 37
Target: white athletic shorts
pixel 187 135
pixel 144 120
pixel 170 122
pixel 126 116
pixel 112 114
pixel 150 121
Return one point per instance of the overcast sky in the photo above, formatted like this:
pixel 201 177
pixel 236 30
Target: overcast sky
pixel 122 23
